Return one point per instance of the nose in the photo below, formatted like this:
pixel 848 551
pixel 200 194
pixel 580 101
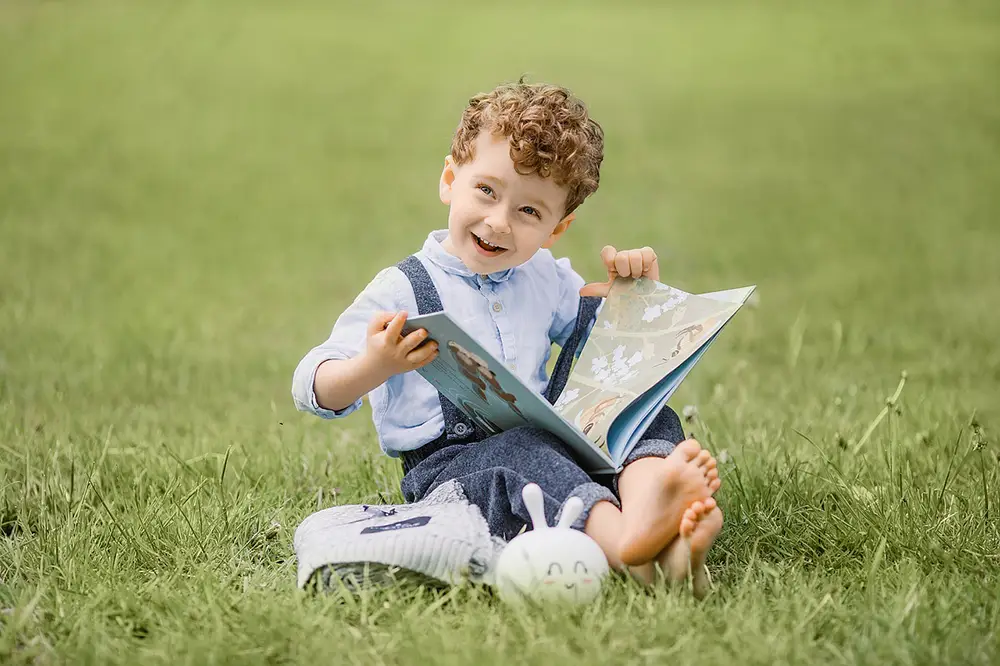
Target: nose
pixel 498 223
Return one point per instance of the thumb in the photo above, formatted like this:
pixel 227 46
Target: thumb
pixel 601 289
pixel 379 322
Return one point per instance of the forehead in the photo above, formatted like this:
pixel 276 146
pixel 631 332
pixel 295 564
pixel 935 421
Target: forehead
pixel 492 159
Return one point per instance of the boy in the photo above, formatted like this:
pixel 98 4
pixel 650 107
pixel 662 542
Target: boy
pixel 523 158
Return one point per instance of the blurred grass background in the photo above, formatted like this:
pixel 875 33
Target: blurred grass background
pixel 190 193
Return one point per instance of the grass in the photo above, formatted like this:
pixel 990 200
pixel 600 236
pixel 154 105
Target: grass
pixel 191 192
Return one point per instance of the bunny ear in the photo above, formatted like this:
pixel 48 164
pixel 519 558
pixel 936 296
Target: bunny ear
pixel 533 500
pixel 570 512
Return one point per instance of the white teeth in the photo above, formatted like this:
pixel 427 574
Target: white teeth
pixel 488 245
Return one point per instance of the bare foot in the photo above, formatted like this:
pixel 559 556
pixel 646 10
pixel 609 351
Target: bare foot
pixel 655 492
pixel 686 554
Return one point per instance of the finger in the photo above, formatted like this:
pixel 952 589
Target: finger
pixel 378 322
pixel 621 264
pixel 650 264
pixel 608 254
pixel 423 354
pixel 635 262
pixel 411 341
pixel 395 326
pixel 601 289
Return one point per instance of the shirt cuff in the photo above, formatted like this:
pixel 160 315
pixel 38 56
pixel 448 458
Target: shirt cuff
pixel 304 395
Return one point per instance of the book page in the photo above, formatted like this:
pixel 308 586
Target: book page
pixel 644 332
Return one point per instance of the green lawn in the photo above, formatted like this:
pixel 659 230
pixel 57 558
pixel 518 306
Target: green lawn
pixel 191 192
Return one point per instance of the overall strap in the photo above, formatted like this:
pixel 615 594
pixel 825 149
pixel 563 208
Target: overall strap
pixel 560 373
pixel 457 426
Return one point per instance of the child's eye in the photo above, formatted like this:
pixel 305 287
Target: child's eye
pixel 532 211
pixel 485 189
pixel 555 569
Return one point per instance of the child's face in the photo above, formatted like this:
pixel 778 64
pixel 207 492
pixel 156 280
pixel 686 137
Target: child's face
pixel 492 204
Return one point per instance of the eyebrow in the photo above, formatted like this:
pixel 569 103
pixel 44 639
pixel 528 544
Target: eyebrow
pixel 496 179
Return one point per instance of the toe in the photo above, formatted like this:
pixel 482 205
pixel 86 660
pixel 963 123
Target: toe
pixel 711 464
pixel 702 458
pixel 712 475
pixel 714 485
pixel 688 523
pixel 698 508
pixel 688 449
pixel 709 504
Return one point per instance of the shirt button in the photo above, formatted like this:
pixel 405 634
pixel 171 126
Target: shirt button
pixel 497 307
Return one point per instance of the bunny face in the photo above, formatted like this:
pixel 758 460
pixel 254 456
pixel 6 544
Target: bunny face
pixel 551 563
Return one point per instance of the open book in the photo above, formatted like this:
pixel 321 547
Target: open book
pixel 646 339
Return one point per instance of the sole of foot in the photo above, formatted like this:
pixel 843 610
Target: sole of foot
pixel 656 492
pixel 685 556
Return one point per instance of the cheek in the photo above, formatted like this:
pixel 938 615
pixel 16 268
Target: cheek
pixel 529 238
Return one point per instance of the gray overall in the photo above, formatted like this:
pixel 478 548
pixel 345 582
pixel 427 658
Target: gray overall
pixel 492 470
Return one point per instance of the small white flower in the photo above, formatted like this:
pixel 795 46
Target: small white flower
pixel 567 397
pixel 690 412
pixel 674 300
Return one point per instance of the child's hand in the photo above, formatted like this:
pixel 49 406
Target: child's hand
pixel 627 263
pixel 390 353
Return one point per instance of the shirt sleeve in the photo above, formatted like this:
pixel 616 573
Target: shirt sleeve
pixel 568 304
pixel 347 340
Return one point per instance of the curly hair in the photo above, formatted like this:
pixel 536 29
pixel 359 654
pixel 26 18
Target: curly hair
pixel 550 132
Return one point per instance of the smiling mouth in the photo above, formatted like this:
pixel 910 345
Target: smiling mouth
pixel 488 247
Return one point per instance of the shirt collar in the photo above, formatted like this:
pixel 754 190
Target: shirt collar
pixel 449 263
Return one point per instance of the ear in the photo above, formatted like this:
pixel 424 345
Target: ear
pixel 571 511
pixel 447 180
pixel 534 501
pixel 559 230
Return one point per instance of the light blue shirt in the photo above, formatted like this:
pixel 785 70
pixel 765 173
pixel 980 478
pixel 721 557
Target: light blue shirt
pixel 515 314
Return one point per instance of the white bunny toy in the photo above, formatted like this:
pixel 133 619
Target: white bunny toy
pixel 550 563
